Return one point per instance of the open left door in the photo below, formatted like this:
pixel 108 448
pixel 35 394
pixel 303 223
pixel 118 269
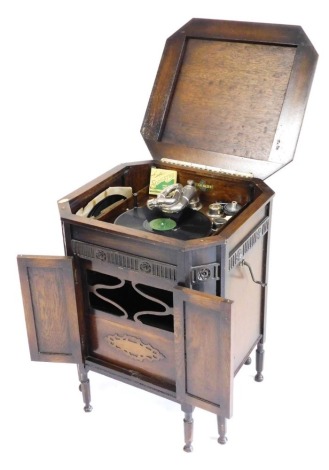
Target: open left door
pixel 50 306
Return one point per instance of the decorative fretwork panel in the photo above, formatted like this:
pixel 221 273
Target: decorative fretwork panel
pixel 125 261
pixel 133 301
pixel 256 235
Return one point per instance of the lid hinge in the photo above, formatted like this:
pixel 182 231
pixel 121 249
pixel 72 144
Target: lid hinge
pixel 213 169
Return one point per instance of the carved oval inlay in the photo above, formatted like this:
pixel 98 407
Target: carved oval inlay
pixel 134 348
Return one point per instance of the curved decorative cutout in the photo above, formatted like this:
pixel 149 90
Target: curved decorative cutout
pixel 138 302
pixel 96 288
pixel 152 299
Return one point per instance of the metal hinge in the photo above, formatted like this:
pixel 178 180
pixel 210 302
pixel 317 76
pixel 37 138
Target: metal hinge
pixel 205 272
pixel 83 342
pixel 75 275
pixel 213 169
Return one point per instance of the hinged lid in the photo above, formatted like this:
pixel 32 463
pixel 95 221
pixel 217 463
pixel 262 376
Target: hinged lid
pixel 231 95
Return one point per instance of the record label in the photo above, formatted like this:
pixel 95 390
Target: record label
pixel 162 224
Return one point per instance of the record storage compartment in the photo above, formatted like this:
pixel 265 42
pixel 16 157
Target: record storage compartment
pixel 177 309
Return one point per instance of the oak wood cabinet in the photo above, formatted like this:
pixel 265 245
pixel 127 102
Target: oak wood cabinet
pixel 178 311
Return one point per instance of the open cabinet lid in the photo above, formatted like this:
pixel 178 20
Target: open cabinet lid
pixel 230 95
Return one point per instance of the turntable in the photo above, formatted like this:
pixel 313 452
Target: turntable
pixel 164 279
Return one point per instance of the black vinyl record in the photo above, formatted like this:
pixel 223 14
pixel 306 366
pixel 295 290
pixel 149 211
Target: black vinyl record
pixel 104 204
pixel 187 225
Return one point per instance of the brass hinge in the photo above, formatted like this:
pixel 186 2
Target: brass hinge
pixel 75 275
pixel 213 169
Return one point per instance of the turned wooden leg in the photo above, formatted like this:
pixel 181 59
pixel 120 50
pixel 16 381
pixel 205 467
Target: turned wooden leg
pixel 188 427
pixel 84 387
pixel 222 429
pixel 259 362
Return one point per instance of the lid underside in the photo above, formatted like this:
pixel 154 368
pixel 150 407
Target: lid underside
pixel 231 95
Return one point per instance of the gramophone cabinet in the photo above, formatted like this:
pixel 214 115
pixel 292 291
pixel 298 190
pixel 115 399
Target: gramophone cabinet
pixel 165 289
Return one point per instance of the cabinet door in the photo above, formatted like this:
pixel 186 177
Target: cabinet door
pixel 49 299
pixel 204 355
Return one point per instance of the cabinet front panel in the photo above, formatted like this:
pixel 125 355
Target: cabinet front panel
pixel 202 348
pixel 203 331
pixel 49 309
pixel 125 343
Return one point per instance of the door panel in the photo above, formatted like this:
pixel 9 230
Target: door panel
pixel 50 308
pixel 203 334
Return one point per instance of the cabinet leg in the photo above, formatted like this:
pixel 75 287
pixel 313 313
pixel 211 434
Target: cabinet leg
pixel 259 362
pixel 222 429
pixel 188 427
pixel 84 387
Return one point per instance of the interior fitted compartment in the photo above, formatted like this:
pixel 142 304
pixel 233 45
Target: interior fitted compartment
pixel 211 188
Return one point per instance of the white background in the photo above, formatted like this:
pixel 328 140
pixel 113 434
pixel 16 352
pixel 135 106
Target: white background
pixel 75 78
